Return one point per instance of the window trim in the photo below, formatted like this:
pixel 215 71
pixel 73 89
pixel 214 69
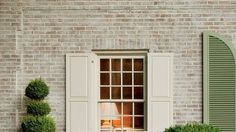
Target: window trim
pixel 120 52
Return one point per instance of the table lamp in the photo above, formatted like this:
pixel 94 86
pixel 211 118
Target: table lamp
pixel 109 111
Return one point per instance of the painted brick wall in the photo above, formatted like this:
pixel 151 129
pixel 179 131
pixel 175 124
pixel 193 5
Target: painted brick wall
pixel 35 35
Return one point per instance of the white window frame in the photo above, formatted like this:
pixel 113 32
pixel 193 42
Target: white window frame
pixel 144 100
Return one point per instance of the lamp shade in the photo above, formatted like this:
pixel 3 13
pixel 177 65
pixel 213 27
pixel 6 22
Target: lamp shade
pixel 109 111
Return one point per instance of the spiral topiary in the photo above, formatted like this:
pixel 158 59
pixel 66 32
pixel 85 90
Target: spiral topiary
pixel 37 120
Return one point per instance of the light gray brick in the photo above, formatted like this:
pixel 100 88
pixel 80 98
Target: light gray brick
pixel 36 35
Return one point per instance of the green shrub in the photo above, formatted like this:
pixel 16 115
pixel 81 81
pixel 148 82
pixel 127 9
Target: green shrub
pixel 38 108
pixel 195 127
pixel 38 124
pixel 37 121
pixel 37 89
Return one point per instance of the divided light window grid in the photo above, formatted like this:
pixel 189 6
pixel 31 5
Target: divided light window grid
pixel 122 93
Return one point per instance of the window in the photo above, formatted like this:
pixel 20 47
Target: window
pixel 122 102
pixel 125 91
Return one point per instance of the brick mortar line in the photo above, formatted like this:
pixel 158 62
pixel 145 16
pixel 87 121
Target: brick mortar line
pixel 20 69
pixel 130 8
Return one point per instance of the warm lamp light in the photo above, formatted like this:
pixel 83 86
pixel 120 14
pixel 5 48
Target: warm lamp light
pixel 109 111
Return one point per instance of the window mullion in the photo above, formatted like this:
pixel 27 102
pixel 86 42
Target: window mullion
pixel 110 84
pixel 121 68
pixel 145 92
pixel 132 93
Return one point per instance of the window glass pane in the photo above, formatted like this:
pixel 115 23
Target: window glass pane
pixel 138 109
pixel 127 78
pixel 128 108
pixel 116 93
pixel 118 106
pixel 104 65
pixel 138 64
pixel 104 93
pixel 127 64
pixel 138 78
pixel 116 123
pixel 127 93
pixel 115 64
pixel 138 122
pixel 110 112
pixel 116 79
pixel 138 93
pixel 104 79
pixel 105 125
pixel 127 120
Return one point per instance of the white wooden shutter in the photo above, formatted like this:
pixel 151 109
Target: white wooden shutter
pixel 80 93
pixel 160 100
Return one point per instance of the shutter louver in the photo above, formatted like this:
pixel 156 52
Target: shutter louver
pixel 219 82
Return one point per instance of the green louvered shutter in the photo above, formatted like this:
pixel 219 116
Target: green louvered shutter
pixel 219 82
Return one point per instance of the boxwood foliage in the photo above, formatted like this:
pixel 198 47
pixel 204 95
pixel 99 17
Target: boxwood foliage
pixel 38 108
pixel 195 127
pixel 37 89
pixel 38 124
